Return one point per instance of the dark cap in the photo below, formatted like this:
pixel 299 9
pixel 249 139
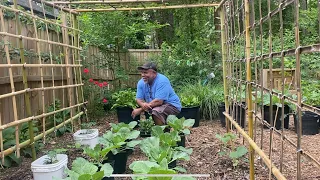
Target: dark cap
pixel 148 65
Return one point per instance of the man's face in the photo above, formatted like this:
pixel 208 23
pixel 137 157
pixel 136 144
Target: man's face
pixel 148 75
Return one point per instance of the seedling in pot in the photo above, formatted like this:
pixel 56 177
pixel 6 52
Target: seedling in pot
pixel 52 156
pixel 146 125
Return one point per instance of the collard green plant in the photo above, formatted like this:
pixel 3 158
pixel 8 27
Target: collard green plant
pixel 52 156
pixel 121 140
pixel 181 125
pixel 116 127
pixel 125 98
pixel 166 138
pixel 84 170
pixel 99 153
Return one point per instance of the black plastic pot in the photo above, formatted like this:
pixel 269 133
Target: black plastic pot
pixel 191 113
pixel 266 116
pixel 310 123
pixel 222 108
pixel 173 164
pixel 124 115
pixel 120 162
pixel 239 114
pixel 145 134
pixel 183 141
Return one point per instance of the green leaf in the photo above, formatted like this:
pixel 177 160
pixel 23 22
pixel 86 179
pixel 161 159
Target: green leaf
pixel 181 169
pixel 107 169
pixel 188 123
pixel 84 177
pixel 186 131
pixel 134 134
pixel 133 143
pixel 142 167
pixel 156 131
pixel 82 166
pixel 133 124
pixel 241 151
pixel 98 175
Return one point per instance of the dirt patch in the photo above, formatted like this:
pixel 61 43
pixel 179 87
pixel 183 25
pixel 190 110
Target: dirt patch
pixel 205 158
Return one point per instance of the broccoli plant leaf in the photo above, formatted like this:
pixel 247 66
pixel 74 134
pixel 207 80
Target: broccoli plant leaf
pixel 107 169
pixel 241 151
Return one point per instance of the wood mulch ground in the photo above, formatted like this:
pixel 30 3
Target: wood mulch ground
pixel 205 158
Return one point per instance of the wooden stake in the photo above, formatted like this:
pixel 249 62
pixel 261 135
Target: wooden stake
pixel 14 102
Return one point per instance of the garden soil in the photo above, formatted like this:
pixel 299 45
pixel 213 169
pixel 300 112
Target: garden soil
pixel 205 158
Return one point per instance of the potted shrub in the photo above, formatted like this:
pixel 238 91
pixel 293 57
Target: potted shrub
pixel 83 169
pixel 190 108
pixel 181 125
pixel 87 137
pixel 122 141
pixel 125 102
pixel 50 165
pixel 310 120
pixel 145 127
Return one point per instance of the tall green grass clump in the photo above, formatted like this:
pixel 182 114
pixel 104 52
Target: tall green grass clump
pixel 209 95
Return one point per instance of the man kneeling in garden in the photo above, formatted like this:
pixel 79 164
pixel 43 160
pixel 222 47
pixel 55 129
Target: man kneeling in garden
pixel 155 95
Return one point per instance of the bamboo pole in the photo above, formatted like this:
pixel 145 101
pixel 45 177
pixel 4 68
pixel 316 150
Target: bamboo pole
pixel 105 2
pixel 249 86
pixel 25 84
pixel 41 72
pixel 36 17
pixel 14 102
pixel 65 38
pixel 15 123
pixel 38 137
pixel 37 40
pixel 149 8
pixel 1 137
pixel 224 58
pixel 25 65
pixel 56 6
pixel 256 148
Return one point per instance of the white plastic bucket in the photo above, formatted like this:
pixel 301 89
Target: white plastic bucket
pixel 87 139
pixel 43 171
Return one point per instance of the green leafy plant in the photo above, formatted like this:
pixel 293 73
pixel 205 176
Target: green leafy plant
pixel 228 148
pixel 181 125
pixel 83 169
pixel 146 125
pixel 99 154
pixel 125 98
pixel 116 127
pixel 59 117
pixel 52 156
pixel 166 138
pixel 121 140
pixel 189 100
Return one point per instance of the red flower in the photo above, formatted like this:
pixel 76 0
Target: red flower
pixel 96 82
pixel 100 85
pixel 104 100
pixel 85 70
pixel 105 83
pixel 90 80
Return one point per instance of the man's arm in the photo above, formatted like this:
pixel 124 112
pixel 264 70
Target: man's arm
pixel 155 103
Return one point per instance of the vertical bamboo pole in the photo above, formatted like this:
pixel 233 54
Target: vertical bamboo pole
pixel 25 84
pixel 14 102
pixel 65 38
pixel 1 137
pixel 249 86
pixel 224 58
pixel 41 73
pixel 52 71
pixel 298 79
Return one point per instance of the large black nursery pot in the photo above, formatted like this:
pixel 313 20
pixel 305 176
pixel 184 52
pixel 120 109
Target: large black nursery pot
pixel 120 161
pixel 238 113
pixel 222 108
pixel 266 116
pixel 191 113
pixel 124 115
pixel 310 123
pixel 173 164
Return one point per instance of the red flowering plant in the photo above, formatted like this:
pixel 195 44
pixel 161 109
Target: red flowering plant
pixel 96 93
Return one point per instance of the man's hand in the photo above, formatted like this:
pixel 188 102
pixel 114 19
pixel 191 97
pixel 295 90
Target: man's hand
pixel 136 112
pixel 146 106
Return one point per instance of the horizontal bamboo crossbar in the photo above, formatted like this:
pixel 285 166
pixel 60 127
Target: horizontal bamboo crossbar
pixel 264 157
pixel 38 89
pixel 15 123
pixel 33 78
pixel 39 65
pixel 37 17
pixel 38 40
pixel 38 137
pixel 106 2
pixel 149 8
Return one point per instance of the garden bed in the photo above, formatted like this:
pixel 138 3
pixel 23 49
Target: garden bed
pixel 204 159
